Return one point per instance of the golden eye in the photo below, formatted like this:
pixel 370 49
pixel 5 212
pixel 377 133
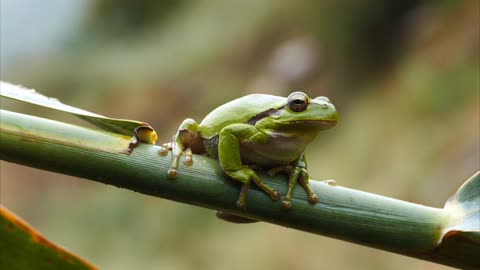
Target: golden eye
pixel 297 102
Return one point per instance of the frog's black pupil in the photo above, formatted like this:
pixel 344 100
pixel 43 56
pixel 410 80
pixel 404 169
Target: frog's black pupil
pixel 298 103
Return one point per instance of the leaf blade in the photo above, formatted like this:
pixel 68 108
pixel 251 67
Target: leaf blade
pixel 23 247
pixel 121 126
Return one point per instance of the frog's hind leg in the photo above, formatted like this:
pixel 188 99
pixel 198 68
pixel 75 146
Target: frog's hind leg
pixel 296 172
pixel 229 155
pixel 245 175
pixel 312 197
pixel 292 182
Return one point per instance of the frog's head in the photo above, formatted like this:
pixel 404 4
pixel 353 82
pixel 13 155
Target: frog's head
pixel 299 115
pixel 301 109
pixel 303 112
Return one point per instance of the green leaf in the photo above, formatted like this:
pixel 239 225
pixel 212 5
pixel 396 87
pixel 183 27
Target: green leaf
pixel 463 229
pixel 22 247
pixel 465 209
pixel 121 126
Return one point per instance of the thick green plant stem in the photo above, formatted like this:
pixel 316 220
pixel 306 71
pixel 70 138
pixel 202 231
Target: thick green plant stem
pixel 351 215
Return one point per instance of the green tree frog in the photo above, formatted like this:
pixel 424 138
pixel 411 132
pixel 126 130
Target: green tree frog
pixel 257 131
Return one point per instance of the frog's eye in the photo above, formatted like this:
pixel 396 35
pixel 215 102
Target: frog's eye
pixel 297 102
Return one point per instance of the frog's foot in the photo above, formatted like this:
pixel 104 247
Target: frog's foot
pixel 177 152
pixel 173 171
pixel 164 148
pixel 234 218
pixel 295 173
pixel 312 197
pixel 188 157
pixel 245 175
pixel 242 199
pixel 186 141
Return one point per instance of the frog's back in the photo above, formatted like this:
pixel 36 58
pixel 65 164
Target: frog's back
pixel 239 110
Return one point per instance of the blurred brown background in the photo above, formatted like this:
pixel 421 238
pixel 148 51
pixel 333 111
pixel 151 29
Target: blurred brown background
pixel 404 76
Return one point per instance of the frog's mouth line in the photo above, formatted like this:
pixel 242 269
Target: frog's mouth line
pixel 319 123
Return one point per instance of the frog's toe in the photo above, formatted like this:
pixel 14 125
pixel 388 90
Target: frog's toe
pixel 241 205
pixel 164 148
pixel 188 161
pixel 286 204
pixel 275 195
pixel 163 151
pixel 313 199
pixel 172 173
pixel 188 157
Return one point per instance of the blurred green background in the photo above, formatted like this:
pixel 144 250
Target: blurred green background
pixel 404 76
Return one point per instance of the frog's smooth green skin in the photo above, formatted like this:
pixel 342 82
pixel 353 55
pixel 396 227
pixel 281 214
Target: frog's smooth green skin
pixel 257 131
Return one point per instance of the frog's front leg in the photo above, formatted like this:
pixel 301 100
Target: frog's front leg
pixel 185 139
pixel 296 172
pixel 229 153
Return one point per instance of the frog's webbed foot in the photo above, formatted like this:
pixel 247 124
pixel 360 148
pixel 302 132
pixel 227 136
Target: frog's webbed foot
pixel 297 172
pixel 164 148
pixel 169 146
pixel 245 176
pixel 176 154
